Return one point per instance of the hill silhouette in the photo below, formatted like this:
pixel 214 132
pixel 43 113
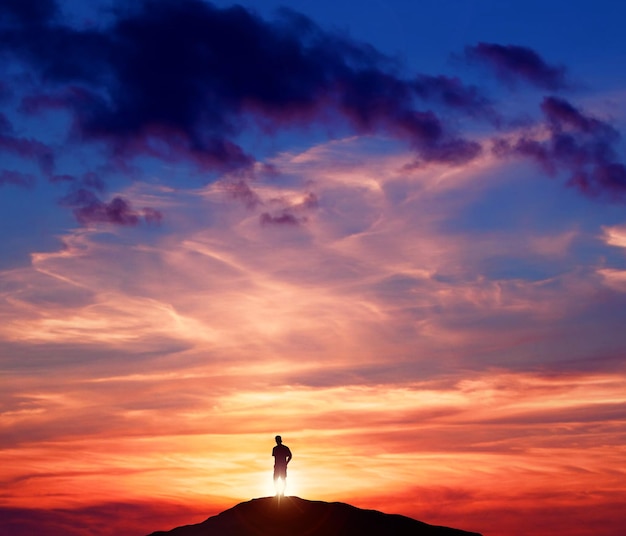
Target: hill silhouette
pixel 293 516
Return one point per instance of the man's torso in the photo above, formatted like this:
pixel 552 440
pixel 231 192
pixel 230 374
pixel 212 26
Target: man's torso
pixel 281 453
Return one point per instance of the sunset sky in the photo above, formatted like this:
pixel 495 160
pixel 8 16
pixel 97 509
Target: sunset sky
pixel 392 231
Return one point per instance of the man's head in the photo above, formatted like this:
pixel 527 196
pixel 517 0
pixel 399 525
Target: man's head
pixel 279 440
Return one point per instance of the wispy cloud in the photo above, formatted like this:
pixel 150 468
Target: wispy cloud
pixel 513 62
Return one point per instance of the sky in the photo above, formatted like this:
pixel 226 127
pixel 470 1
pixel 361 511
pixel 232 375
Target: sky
pixel 392 232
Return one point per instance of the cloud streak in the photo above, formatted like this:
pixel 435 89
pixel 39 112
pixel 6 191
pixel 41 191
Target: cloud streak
pixel 512 62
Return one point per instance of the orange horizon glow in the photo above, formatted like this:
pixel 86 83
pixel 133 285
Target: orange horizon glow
pixel 389 458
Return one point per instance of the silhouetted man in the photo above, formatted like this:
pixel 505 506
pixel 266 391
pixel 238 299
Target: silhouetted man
pixel 282 456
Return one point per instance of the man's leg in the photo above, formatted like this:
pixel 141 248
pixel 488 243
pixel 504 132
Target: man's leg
pixel 276 481
pixel 280 480
pixel 277 487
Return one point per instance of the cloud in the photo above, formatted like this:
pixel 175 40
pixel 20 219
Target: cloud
pixel 453 93
pixel 100 519
pixel 88 208
pixel 285 218
pixel 512 62
pixel 17 178
pixel 292 212
pixel 347 247
pixel 561 114
pixel 576 143
pixel 241 191
pixel 193 75
pixel 383 327
pixel 28 149
pixel 188 82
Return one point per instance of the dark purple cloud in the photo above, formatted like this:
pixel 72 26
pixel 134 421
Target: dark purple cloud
pixel 89 208
pixel 453 93
pixel 152 216
pixel 181 80
pixel 454 151
pixel 241 191
pixel 36 104
pixel 284 218
pixel 292 214
pixel 512 62
pixel 24 147
pixel 311 201
pixel 580 145
pixel 28 149
pixel 193 75
pixel 26 180
pixel 561 115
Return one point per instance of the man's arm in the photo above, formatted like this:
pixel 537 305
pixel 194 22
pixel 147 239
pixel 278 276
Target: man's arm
pixel 289 456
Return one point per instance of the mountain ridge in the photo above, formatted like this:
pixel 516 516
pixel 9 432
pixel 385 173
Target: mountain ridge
pixel 293 516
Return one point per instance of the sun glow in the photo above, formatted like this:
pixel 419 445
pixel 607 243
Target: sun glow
pixel 267 487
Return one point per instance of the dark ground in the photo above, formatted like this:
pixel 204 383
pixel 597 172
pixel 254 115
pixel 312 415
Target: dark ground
pixel 292 516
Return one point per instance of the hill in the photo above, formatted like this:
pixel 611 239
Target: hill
pixel 293 516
